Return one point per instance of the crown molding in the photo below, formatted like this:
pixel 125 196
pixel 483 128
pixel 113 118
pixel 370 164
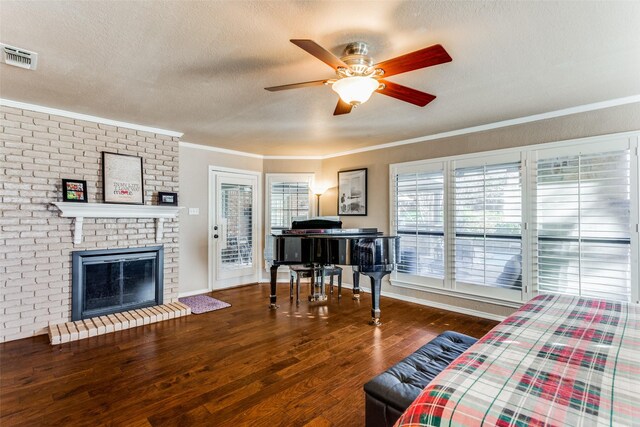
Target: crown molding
pixel 244 153
pixel 489 126
pixel 496 125
pixel 219 150
pixel 473 129
pixel 295 157
pixel 86 117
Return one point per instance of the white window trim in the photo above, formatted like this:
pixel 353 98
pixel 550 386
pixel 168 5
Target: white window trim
pixel 527 154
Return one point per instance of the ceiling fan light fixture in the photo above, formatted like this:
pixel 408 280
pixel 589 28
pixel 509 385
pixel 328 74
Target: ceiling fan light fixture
pixel 355 90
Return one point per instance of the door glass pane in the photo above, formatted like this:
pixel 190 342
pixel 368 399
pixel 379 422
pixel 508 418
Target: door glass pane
pixel 237 218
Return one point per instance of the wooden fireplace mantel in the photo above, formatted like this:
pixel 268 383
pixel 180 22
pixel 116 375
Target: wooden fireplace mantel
pixel 80 211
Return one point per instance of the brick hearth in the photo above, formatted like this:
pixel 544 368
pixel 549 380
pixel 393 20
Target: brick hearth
pixel 80 329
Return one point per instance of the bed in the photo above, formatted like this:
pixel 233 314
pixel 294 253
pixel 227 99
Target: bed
pixel 557 361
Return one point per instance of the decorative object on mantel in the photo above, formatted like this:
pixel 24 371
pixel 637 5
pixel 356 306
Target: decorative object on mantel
pixel 166 198
pixel 352 192
pixel 80 329
pixel 202 303
pixel 122 180
pixel 74 190
pixel 80 211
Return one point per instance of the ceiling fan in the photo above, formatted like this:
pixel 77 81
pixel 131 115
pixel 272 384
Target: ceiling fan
pixel 357 78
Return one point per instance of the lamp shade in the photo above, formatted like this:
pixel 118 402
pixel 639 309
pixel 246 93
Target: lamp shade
pixel 355 90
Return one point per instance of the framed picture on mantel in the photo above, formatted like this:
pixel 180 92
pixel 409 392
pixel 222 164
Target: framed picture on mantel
pixel 74 190
pixel 122 180
pixel 352 192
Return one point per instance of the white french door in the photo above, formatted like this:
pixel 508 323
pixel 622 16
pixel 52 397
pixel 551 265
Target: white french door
pixel 233 219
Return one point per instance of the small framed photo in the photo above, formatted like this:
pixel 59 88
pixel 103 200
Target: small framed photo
pixel 122 179
pixel 166 198
pixel 352 192
pixel 74 190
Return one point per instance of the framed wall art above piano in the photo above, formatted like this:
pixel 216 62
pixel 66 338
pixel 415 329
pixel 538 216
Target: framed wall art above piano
pixel 352 192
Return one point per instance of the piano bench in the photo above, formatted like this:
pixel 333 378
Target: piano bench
pixel 298 272
pixel 389 394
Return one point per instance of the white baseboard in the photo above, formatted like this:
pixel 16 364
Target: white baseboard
pixel 433 304
pixel 196 292
pixel 424 302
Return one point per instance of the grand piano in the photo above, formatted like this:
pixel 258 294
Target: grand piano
pixel 368 251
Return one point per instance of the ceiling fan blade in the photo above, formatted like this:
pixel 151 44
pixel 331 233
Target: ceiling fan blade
pixel 296 85
pixel 319 52
pixel 406 94
pixel 432 55
pixel 342 108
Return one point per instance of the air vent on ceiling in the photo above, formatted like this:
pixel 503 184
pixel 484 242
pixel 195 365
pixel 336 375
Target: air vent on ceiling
pixel 17 57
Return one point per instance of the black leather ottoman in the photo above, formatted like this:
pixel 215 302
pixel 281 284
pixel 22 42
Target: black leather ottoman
pixel 391 392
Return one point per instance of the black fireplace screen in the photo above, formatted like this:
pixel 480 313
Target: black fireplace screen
pixel 114 280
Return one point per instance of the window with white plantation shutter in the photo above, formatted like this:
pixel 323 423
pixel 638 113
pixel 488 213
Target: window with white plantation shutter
pixel 487 223
pixel 584 223
pixel 420 223
pixel 289 201
pixel 288 198
pixel 556 218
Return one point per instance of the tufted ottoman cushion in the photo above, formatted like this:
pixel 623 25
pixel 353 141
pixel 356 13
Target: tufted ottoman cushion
pixel 391 392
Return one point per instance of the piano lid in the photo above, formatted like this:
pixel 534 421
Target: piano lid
pixel 332 231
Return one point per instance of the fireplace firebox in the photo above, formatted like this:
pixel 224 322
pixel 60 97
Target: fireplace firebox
pixel 114 280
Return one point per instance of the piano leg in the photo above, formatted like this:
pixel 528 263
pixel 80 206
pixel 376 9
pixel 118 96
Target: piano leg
pixel 356 286
pixel 274 279
pixel 317 287
pixel 376 285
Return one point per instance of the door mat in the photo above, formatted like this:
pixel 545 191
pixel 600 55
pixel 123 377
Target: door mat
pixel 202 304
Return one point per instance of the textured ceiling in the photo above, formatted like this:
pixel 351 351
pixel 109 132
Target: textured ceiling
pixel 200 67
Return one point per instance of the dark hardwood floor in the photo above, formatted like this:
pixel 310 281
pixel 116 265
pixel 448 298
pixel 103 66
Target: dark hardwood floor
pixel 243 365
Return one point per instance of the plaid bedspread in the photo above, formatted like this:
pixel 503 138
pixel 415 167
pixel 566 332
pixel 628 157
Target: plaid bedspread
pixel 557 361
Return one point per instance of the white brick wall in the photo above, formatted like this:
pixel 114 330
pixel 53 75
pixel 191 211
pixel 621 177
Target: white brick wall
pixel 37 150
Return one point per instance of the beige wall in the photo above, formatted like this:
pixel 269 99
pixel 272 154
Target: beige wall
pixel 611 120
pixel 193 183
pixel 194 193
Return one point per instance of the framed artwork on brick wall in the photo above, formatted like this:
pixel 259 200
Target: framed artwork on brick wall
pixel 122 180
pixel 74 190
pixel 167 198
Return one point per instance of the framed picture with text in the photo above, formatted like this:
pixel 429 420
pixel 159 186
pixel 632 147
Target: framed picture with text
pixel 122 180
pixel 352 192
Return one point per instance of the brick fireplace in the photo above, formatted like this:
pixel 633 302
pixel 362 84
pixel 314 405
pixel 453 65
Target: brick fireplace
pixel 38 150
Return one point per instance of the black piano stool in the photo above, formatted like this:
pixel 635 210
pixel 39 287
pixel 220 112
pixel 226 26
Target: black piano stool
pixel 316 273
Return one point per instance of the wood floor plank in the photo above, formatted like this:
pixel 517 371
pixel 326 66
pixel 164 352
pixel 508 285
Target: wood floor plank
pixel 244 365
